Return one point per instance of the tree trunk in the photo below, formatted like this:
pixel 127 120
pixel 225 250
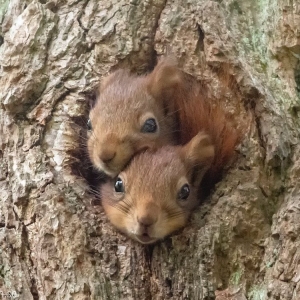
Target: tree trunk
pixel 242 243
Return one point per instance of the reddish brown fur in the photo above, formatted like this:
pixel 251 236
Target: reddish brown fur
pixel 177 101
pixel 116 122
pixel 196 112
pixel 152 182
pixel 199 114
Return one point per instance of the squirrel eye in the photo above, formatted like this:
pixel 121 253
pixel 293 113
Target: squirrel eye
pixel 184 192
pixel 119 186
pixel 89 124
pixel 149 126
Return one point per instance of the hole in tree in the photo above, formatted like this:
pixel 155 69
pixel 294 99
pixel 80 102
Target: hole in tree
pixel 82 165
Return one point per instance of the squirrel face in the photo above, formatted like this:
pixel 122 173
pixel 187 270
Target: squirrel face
pixel 132 114
pixel 156 192
pixel 125 120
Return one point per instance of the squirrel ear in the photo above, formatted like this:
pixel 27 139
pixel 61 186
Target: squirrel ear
pixel 198 155
pixel 164 79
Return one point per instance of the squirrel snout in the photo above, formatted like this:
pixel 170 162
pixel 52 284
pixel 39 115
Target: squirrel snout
pixel 107 155
pixel 147 220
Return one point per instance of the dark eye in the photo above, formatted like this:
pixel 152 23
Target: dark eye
pixel 89 124
pixel 184 192
pixel 119 186
pixel 149 126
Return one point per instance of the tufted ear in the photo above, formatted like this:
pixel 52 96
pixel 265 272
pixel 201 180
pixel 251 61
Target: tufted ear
pixel 164 79
pixel 198 155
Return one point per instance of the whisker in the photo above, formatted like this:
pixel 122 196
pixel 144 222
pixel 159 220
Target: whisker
pixel 121 207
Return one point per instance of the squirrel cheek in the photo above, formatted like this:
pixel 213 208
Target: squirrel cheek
pixel 148 144
pixel 116 217
pixel 124 153
pixel 169 225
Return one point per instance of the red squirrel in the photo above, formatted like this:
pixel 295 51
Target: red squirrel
pixel 155 194
pixel 125 120
pixel 144 118
pixel 135 113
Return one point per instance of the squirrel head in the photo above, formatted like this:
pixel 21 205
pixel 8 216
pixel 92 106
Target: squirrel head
pixel 155 194
pixel 132 114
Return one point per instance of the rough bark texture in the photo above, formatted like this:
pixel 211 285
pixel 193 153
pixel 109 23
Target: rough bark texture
pixel 243 243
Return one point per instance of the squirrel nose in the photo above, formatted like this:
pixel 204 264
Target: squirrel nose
pixel 147 220
pixel 107 156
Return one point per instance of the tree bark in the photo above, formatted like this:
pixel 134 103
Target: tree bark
pixel 242 243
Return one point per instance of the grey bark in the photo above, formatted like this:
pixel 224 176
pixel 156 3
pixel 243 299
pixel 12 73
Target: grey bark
pixel 243 243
